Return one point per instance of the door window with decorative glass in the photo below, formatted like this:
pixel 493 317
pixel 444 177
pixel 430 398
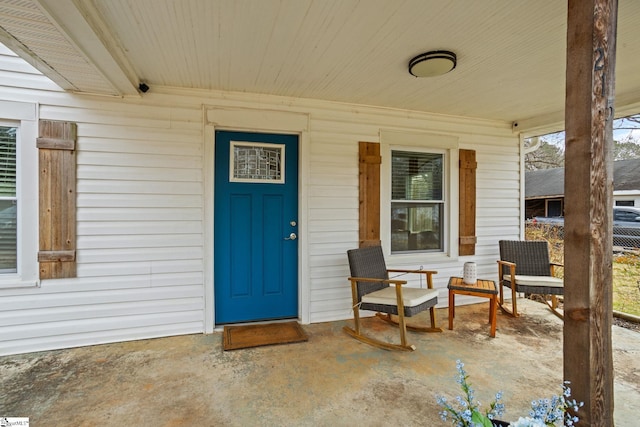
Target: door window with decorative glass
pixel 8 200
pixel 417 201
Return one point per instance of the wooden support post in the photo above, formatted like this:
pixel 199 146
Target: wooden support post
pixel 588 361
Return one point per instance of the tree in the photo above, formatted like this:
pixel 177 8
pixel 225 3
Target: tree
pixel 547 151
pixel 627 143
pixel 547 155
pixel 623 150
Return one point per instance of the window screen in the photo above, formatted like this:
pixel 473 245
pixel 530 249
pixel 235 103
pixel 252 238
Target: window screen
pixel 8 200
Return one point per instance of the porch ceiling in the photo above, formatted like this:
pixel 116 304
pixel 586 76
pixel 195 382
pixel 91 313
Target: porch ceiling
pixel 511 54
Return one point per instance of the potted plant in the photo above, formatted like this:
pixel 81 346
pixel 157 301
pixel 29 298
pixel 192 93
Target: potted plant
pixel 466 411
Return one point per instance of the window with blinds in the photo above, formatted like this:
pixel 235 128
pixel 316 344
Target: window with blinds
pixel 417 201
pixel 8 200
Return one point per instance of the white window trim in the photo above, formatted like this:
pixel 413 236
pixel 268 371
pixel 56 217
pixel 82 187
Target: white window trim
pixel 407 141
pixel 24 116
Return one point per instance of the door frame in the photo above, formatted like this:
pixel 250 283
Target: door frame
pixel 254 120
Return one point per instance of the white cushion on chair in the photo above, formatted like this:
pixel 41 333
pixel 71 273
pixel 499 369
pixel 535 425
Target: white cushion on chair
pixel 411 296
pixel 536 280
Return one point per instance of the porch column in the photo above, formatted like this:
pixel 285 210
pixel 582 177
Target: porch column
pixel 588 362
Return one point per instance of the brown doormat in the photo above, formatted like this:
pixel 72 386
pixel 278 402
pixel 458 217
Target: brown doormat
pixel 236 337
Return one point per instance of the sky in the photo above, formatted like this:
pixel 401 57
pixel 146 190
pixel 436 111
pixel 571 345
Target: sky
pixel 628 133
pixel 623 129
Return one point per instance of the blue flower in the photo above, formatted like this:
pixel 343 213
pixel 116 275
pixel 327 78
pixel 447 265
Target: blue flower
pixel 544 412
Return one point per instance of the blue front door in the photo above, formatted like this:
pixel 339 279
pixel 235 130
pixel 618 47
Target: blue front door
pixel 255 227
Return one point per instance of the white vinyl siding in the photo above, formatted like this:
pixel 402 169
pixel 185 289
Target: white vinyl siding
pixel 143 255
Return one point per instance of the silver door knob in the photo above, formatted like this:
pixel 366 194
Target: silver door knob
pixel 292 236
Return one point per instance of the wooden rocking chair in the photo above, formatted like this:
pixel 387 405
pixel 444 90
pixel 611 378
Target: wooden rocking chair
pixel 524 266
pixel 371 290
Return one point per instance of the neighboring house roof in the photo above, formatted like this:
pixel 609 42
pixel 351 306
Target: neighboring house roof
pixel 626 175
pixel 545 183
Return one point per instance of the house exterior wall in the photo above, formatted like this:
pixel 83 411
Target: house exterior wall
pixel 626 198
pixel 144 197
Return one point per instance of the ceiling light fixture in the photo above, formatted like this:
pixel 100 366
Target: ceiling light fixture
pixel 433 63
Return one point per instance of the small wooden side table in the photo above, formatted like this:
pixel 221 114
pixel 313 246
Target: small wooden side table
pixel 482 288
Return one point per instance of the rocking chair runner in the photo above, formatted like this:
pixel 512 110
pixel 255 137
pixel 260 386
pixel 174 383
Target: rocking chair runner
pixel 371 290
pixel 524 266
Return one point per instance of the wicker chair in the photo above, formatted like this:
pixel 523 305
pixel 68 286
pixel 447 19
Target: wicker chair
pixel 524 266
pixel 371 290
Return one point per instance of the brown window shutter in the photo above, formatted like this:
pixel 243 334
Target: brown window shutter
pixel 57 200
pixel 467 219
pixel 369 156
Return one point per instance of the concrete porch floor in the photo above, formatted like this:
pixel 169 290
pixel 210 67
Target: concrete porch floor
pixel 331 380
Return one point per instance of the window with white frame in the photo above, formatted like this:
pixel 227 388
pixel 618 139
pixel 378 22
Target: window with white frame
pixel 8 200
pixel 417 201
pixel 18 195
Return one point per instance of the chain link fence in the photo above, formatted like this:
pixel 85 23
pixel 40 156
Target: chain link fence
pixel 623 237
pixel 626 237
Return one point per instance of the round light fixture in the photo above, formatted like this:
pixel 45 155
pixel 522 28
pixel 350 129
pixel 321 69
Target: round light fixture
pixel 433 63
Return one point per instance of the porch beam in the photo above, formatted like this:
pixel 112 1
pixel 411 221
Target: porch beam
pixel 80 23
pixel 588 361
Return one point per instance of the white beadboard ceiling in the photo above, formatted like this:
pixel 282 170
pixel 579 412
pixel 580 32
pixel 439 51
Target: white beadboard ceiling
pixel 511 53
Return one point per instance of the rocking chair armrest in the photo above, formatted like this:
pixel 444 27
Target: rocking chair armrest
pixel 512 270
pixel 428 273
pixel 553 266
pixel 400 270
pixel 372 280
pixel 507 263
